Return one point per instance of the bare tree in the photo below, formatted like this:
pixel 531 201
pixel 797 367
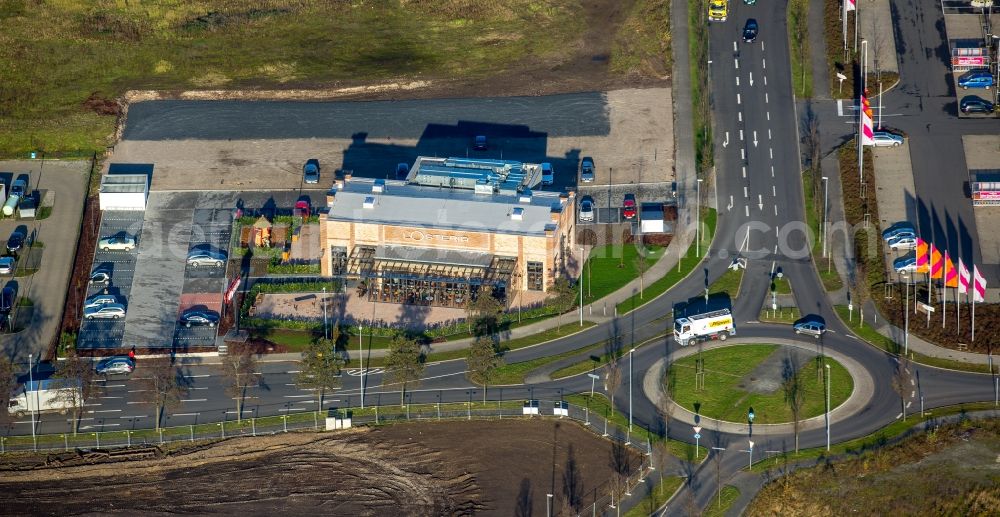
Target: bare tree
pixel 565 297
pixel 621 467
pixel 161 385
pixel 641 265
pixel 613 378
pixel 482 359
pixel 239 365
pixel 322 366
pixel 74 371
pixel 794 395
pixel 572 483
pixel 901 382
pixel 664 403
pixel 404 364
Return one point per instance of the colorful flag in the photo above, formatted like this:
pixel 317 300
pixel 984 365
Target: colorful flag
pixel 950 275
pixel 978 286
pixel 937 263
pixel 850 5
pixel 963 277
pixel 867 126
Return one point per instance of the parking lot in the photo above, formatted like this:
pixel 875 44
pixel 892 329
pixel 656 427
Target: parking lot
pixel 121 266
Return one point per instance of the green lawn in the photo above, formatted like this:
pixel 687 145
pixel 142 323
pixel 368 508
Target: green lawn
pixel 723 398
pixel 610 267
pixel 599 406
pixel 728 283
pixel 721 503
pixel 827 273
pixel 782 285
pixel 656 497
pixel 590 364
pixel 787 315
pixel 798 37
pixel 872 336
pixel 68 50
pixel 513 373
pixel 684 267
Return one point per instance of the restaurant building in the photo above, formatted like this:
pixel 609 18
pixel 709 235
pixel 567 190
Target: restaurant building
pixel 453 229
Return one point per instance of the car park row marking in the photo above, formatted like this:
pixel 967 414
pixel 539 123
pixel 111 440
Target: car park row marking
pixel 193 400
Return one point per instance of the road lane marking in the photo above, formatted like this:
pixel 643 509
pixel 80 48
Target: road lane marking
pixel 746 209
pixel 135 416
pixel 743 154
pixel 775 209
pixel 741 135
pixel 737 61
pixel 96 426
pixel 765 80
pixel 201 388
pixel 770 151
pixel 296 396
pixel 110 397
pixel 294 371
pixel 193 400
pixel 136 391
pixel 744 171
pixel 769 133
pixel 766 100
pixel 199 376
pixel 772 171
pixel 773 193
pixel 305 401
pixel 88 405
pixel 114 386
pixel 768 115
pixel 141 402
pixel 739 114
pixel 763 63
pixel 735 49
pixel 762 44
pixel 291 409
pixel 737 80
pixel 187 414
pixel 104 411
pixel 738 99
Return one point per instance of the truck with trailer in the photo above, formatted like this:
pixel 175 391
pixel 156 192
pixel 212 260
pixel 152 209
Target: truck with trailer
pixel 705 326
pixel 46 395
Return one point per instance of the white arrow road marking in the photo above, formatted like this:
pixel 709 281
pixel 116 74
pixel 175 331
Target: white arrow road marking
pixel 760 203
pixel 755 138
pixel 751 78
pixel 726 143
pixel 730 207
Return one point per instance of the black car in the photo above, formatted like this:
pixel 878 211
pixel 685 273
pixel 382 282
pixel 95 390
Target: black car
pixel 199 317
pixel 479 144
pixel 7 297
pixel 750 30
pixel 15 241
pixel 973 104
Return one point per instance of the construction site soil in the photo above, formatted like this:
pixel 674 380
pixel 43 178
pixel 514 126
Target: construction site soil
pixel 439 468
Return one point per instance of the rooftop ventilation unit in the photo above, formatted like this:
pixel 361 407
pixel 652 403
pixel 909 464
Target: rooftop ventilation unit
pixel 378 187
pixel 369 202
pixel 483 187
pixel 517 214
pixel 525 196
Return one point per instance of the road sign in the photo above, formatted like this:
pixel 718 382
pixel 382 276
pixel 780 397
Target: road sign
pixel 750 415
pixel 697 436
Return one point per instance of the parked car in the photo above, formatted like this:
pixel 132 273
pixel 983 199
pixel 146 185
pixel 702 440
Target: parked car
pixel 100 276
pixel 973 104
pixel 7 297
pixel 479 143
pixel 810 328
pixel 110 311
pixel 587 209
pixel 17 188
pixel 199 317
pixel 628 206
pixel 15 241
pixel 6 265
pixel 902 227
pixel 548 176
pixel 976 78
pixel 886 139
pixel 198 258
pixel 903 242
pixel 402 170
pixel 310 171
pixel 100 300
pixel 120 242
pixel 750 30
pixel 905 265
pixel 115 365
pixel 750 2
pixel 587 170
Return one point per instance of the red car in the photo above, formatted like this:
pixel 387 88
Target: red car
pixel 628 207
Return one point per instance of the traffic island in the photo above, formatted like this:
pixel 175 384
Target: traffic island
pixel 725 383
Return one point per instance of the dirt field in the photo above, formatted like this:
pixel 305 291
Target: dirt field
pixel 450 468
pixel 952 471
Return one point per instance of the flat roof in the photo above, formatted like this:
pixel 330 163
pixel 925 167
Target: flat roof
pixel 124 183
pixel 442 208
pixel 507 175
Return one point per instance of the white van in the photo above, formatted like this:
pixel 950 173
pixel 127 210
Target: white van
pixel 548 177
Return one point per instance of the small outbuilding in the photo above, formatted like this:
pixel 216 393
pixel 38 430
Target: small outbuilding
pixel 124 192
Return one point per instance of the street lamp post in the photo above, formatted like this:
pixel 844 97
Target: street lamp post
pixel 697 247
pixel 630 352
pixel 31 382
pixel 361 359
pixel 750 450
pixel 593 380
pixel 581 289
pixel 548 505
pixel 826 200
pixel 828 406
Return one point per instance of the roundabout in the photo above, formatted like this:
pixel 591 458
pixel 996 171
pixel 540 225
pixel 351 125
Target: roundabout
pixel 723 383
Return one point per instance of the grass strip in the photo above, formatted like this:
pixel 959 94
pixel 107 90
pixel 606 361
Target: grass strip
pixel 514 373
pixel 685 265
pixel 656 496
pixel 728 283
pixel 784 315
pixel 798 32
pixel 827 274
pixel 873 337
pixel 599 406
pixel 721 504
pixel 616 266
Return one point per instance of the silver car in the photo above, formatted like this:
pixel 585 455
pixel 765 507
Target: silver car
pixel 810 328
pixel 886 139
pixel 6 265
pixel 116 243
pixel 200 258
pixel 100 300
pixel 111 311
pixel 587 170
pixel 587 209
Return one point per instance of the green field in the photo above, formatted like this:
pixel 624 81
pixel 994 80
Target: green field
pixel 611 267
pixel 723 399
pixel 66 62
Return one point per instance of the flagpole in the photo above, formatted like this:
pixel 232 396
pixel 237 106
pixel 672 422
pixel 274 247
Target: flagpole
pixel 944 290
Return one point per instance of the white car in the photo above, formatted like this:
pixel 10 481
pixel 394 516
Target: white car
pixel 116 243
pixel 587 209
pixel 6 265
pixel 110 311
pixel 886 139
pixel 903 243
pixel 100 300
pixel 199 258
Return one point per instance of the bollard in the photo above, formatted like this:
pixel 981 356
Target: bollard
pixel 315 420
pixel 98 435
pixel 192 433
pixel 284 422
pixel 66 442
pixel 253 426
pixel 161 436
